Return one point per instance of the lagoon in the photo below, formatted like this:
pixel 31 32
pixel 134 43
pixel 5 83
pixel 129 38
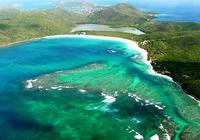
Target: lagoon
pixel 100 27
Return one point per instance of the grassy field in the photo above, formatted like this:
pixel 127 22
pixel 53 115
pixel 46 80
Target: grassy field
pixel 173 47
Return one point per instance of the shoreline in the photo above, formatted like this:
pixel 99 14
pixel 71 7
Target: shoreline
pixel 130 43
pixel 18 42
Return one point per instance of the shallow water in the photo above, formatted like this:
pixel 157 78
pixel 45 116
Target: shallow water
pixel 87 88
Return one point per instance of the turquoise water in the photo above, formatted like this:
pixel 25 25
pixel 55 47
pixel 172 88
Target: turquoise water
pixel 88 88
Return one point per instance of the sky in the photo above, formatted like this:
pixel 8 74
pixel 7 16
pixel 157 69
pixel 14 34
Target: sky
pixel 155 5
pixel 161 3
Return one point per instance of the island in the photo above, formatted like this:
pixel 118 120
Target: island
pixel 172 49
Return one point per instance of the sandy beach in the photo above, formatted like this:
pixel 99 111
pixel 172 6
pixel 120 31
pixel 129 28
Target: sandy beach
pixel 18 42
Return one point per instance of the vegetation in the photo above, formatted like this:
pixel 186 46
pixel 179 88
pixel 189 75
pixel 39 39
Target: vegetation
pixel 177 54
pixel 153 26
pixel 120 14
pixel 18 25
pixel 173 47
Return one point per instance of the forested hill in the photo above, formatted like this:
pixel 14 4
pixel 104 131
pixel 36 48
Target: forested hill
pixel 120 14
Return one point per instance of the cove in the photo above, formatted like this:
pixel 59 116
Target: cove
pixel 89 87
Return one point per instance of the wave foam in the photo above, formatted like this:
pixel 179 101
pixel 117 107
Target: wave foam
pixel 30 83
pixel 82 90
pixel 108 99
pixel 154 137
pixel 138 136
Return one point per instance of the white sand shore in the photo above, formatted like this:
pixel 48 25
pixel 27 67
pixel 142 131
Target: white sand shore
pixel 17 42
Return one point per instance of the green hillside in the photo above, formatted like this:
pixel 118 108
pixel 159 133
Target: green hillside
pixel 18 25
pixel 120 14
pixel 178 55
